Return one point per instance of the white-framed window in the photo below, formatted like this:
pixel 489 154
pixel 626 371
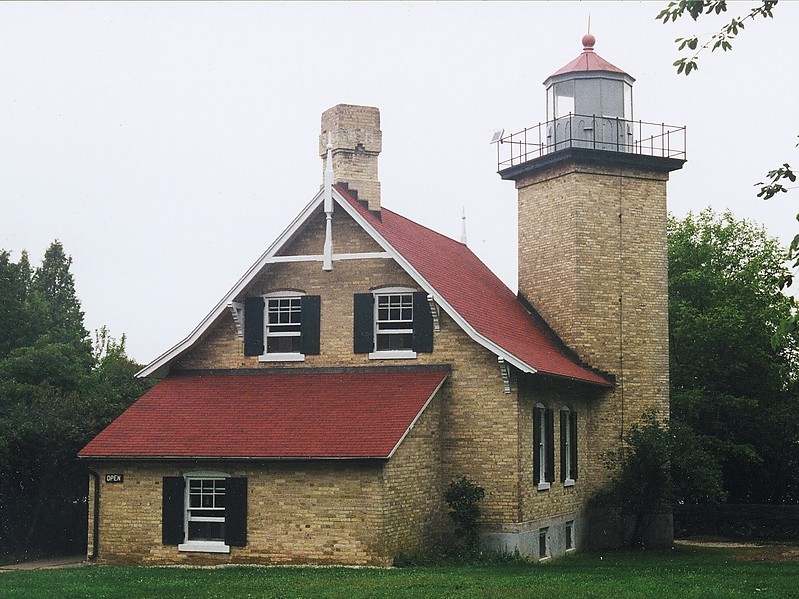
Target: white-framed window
pixel 205 513
pixel 393 323
pixel 543 447
pixel 282 326
pixel 568 446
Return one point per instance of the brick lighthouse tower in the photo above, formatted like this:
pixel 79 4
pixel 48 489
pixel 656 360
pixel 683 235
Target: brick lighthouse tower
pixel 591 187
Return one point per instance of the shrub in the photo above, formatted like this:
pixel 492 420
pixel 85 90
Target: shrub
pixel 463 497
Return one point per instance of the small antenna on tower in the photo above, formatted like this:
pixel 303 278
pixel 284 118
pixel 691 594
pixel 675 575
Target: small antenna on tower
pixel 589 23
pixel 463 226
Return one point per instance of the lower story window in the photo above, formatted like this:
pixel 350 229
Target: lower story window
pixel 204 512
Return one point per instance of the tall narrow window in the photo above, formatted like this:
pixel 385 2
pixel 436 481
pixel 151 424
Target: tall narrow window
pixel 543 448
pixel 568 446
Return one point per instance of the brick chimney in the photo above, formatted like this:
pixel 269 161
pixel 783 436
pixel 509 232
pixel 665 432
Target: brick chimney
pixel 357 141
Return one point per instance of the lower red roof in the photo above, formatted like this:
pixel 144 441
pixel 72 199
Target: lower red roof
pixel 296 414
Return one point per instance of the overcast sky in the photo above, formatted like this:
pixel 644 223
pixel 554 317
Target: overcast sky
pixel 167 145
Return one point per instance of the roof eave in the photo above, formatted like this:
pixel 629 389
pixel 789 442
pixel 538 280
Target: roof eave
pixel 160 366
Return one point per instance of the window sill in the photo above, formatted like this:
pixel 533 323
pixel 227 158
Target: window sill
pixel 402 354
pixel 205 546
pixel 543 486
pixel 569 482
pixel 281 357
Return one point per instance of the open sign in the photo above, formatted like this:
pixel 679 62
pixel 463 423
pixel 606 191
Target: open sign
pixel 114 478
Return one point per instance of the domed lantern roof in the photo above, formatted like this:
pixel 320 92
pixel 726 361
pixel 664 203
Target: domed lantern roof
pixel 589 85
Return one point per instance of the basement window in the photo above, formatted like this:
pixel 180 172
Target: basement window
pixel 543 543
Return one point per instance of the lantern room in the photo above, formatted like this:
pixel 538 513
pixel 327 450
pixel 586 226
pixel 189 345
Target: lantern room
pixel 590 103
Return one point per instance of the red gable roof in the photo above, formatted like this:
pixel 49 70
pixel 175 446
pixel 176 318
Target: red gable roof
pixel 588 61
pixel 292 414
pixel 476 293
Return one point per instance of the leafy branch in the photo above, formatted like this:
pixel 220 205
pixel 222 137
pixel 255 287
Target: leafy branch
pixel 696 8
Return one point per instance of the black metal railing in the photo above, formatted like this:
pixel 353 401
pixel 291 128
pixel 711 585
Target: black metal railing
pixel 594 132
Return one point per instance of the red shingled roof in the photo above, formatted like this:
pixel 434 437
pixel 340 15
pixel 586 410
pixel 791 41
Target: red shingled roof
pixel 476 293
pixel 295 414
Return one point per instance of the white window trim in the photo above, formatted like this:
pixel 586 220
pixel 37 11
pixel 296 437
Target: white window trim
pixel 278 356
pixel 390 354
pixel 569 481
pixel 542 484
pixel 200 546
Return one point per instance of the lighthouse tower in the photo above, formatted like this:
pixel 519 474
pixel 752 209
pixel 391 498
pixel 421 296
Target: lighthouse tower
pixel 591 187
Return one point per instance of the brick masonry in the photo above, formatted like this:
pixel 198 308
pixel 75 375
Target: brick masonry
pixel 599 279
pixel 593 261
pixel 357 141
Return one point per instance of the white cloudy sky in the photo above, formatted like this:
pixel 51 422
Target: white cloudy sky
pixel 167 145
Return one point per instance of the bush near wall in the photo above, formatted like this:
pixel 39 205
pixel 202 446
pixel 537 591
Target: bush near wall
pixel 745 521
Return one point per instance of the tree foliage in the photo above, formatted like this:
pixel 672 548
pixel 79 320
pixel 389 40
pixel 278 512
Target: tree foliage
pixel 722 39
pixel 776 178
pixel 56 393
pixel 733 393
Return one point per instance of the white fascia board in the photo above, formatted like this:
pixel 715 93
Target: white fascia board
pixel 158 365
pixel 400 259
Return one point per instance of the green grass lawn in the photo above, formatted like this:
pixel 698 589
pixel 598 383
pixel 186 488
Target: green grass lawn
pixel 683 573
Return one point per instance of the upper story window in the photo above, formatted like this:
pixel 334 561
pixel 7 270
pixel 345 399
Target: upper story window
pixel 283 322
pixel 392 322
pixel 281 326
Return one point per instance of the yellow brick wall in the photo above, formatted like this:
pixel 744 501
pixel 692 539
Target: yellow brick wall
pixel 365 514
pixel 593 261
pixel 357 512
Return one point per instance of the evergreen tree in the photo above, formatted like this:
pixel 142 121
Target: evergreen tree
pixel 56 393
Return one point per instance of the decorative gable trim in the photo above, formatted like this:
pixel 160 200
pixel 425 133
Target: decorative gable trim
pixel 237 311
pixel 160 366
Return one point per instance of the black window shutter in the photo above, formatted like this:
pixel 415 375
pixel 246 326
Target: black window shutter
pixel 363 323
pixel 236 512
pixel 309 324
pixel 549 472
pixel 253 326
pixel 573 431
pixel 536 444
pixel 422 323
pixel 172 511
pixel 564 437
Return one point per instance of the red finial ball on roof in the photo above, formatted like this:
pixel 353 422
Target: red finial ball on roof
pixel 588 42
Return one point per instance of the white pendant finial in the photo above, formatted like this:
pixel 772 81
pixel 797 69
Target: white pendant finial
pixel 463 226
pixel 327 263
